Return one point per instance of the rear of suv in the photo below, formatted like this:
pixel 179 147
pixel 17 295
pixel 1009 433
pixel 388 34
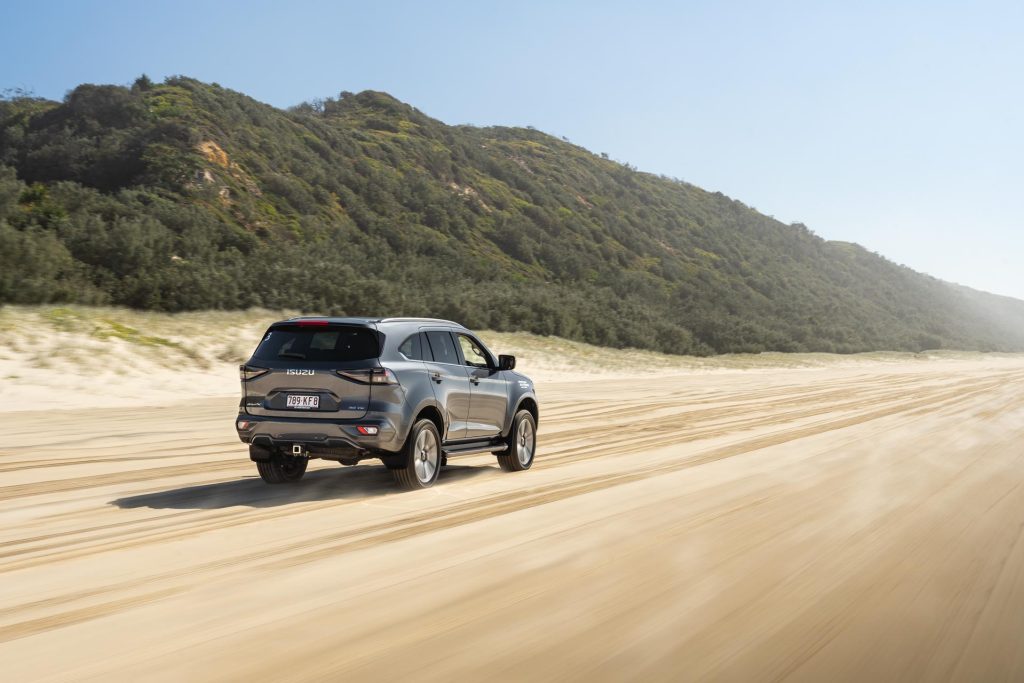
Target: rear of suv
pixel 411 392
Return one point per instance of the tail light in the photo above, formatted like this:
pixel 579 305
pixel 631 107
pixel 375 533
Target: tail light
pixel 247 372
pixel 373 376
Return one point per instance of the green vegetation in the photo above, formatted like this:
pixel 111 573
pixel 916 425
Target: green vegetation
pixel 112 329
pixel 187 196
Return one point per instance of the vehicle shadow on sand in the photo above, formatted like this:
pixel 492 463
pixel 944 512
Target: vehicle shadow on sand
pixel 321 484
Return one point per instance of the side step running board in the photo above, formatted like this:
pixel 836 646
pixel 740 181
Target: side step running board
pixel 466 449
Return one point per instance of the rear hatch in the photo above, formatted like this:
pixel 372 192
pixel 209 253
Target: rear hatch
pixel 311 369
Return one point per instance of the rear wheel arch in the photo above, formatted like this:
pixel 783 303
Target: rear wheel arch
pixel 431 412
pixel 421 459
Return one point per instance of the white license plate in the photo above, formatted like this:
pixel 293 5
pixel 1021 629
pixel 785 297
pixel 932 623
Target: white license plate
pixel 303 401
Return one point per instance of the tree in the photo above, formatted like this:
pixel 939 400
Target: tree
pixel 142 84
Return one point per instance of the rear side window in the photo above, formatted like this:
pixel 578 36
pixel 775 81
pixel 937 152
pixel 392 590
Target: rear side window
pixel 412 348
pixel 442 346
pixel 337 344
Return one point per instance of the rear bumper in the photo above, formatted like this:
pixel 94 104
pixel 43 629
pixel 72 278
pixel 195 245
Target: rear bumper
pixel 264 447
pixel 329 438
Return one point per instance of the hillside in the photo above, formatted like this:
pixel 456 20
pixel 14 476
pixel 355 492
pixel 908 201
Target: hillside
pixel 185 195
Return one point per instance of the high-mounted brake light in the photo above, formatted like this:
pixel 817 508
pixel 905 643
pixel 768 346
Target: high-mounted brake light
pixel 374 376
pixel 312 323
pixel 247 372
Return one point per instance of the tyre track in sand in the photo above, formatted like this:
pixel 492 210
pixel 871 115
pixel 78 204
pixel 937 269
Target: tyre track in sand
pixel 656 431
pixel 281 557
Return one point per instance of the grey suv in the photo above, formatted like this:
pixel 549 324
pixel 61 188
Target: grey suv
pixel 409 391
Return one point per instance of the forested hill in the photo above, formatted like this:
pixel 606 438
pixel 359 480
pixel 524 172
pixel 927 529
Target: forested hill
pixel 185 195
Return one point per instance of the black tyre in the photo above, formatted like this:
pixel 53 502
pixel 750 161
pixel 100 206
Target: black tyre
pixel 522 443
pixel 282 469
pixel 422 453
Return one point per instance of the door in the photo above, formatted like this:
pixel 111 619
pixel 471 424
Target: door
pixel 489 389
pixel 450 380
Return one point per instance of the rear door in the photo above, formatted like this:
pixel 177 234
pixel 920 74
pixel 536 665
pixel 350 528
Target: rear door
pixel 489 399
pixel 450 380
pixel 312 369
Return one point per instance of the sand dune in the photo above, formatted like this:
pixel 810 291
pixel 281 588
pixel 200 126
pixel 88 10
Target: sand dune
pixel 857 520
pixel 78 356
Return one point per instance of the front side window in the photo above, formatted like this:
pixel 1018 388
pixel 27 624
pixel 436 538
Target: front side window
pixel 471 351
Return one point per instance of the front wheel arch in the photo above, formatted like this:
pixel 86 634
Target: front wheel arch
pixel 527 403
pixel 520 444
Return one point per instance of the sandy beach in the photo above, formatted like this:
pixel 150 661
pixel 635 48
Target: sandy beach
pixel 853 521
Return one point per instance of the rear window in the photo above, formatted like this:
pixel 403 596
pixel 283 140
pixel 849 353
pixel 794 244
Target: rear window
pixel 336 344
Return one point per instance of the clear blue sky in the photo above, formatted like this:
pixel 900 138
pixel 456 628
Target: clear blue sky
pixel 898 125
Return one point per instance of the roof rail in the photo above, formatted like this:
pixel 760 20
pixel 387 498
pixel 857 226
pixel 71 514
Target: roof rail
pixel 420 320
pixel 438 321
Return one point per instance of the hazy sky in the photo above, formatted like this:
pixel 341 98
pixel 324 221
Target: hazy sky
pixel 898 125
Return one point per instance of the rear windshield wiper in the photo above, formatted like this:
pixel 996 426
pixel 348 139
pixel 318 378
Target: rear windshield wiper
pixel 291 354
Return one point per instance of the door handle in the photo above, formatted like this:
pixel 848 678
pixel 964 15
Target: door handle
pixel 474 380
pixel 436 376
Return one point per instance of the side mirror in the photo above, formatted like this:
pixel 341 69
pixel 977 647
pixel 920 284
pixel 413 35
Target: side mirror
pixel 506 362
